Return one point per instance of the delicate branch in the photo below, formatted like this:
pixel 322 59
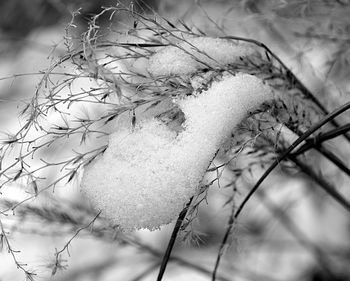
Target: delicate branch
pixel 316 143
pixel 319 139
pixel 289 73
pixel 57 263
pixel 246 273
pixel 281 157
pixel 284 155
pixel 280 214
pixel 229 229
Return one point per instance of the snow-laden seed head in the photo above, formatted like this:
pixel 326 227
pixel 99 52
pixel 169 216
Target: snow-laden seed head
pixel 147 175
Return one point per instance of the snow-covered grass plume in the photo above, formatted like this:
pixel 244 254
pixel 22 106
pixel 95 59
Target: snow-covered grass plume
pixel 147 174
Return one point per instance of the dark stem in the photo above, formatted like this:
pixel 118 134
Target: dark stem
pixel 284 155
pixel 223 243
pixel 172 240
pixel 319 139
pixel 179 260
pixel 289 225
pixel 295 79
pixel 280 158
pixel 316 143
pixel 325 152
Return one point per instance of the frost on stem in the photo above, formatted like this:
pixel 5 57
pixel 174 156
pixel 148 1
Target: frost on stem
pixel 147 175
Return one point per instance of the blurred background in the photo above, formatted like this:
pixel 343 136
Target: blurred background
pixel 311 37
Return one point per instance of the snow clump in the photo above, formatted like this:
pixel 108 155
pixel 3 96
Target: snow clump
pixel 197 53
pixel 147 175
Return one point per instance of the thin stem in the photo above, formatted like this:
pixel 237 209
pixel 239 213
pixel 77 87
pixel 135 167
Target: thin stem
pixel 326 153
pixel 229 229
pixel 171 243
pixel 335 132
pixel 316 143
pixel 295 79
pixel 287 223
pixel 326 186
pixel 246 274
pixel 284 155
pixel 65 247
pixel 339 130
pixel 288 72
pixel 317 140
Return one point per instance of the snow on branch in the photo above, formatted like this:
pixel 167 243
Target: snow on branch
pixel 148 174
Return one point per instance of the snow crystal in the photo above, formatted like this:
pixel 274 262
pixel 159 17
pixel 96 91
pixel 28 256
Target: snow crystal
pixel 146 176
pixel 197 53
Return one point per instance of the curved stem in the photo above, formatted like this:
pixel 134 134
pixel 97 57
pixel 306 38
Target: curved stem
pixel 283 156
pixel 319 139
pixel 290 74
pixel 309 132
pixel 229 229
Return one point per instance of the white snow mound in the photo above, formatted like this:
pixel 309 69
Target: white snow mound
pixel 146 176
pixel 197 53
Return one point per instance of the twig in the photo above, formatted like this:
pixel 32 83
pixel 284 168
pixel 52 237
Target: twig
pixel 58 253
pixel 316 143
pixel 172 240
pixel 286 221
pixel 199 268
pixel 295 79
pixel 324 184
pixel 319 139
pixel 228 232
pixel 284 155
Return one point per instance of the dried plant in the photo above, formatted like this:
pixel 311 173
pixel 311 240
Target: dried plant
pixel 102 83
